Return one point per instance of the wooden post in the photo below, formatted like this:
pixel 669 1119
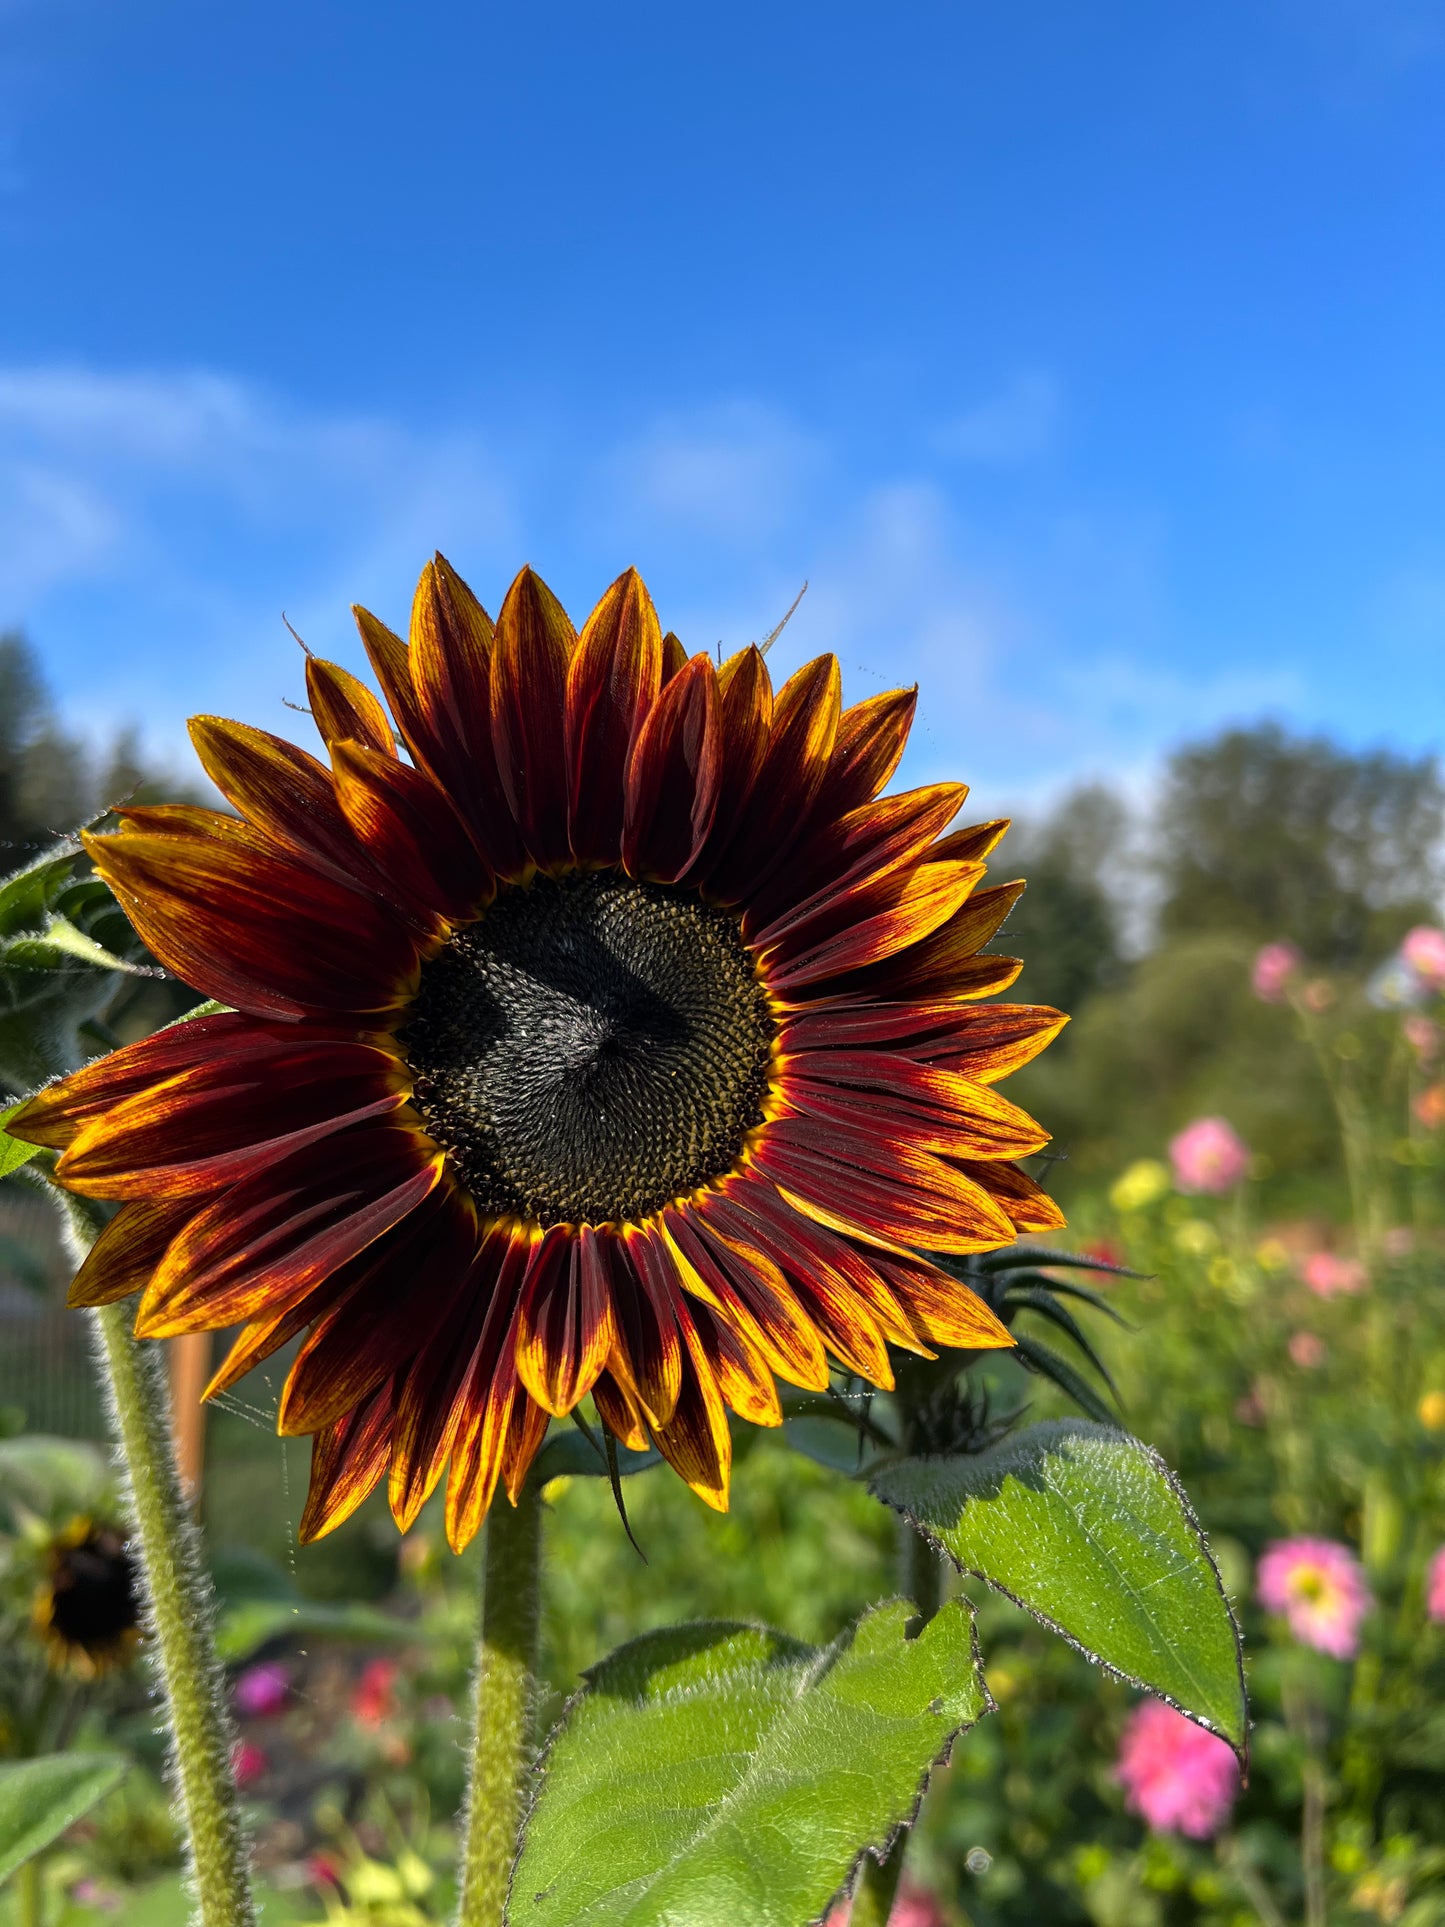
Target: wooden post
pixel 190 1369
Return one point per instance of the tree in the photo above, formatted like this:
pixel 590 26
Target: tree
pixel 1268 835
pixel 1067 925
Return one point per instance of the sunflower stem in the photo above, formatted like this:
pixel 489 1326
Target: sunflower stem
pixel 179 1615
pixel 503 1741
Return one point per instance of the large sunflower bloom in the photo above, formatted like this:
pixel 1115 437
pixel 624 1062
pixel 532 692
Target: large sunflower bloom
pixel 623 1041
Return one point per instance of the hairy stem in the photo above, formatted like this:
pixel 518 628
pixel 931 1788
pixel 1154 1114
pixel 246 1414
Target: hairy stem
pixel 179 1616
pixel 503 1742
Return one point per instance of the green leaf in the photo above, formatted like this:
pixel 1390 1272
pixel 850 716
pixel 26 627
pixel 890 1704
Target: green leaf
pixel 55 1477
pixel 568 1455
pixel 1045 1362
pixel 713 1774
pixel 26 896
pixel 1088 1530
pixel 12 1152
pixel 40 1798
pixel 248 1626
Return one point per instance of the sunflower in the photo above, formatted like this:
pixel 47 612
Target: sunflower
pixel 618 1039
pixel 87 1611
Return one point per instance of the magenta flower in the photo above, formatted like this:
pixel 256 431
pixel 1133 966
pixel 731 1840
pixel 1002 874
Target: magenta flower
pixel 1319 1587
pixel 262 1690
pixel 1175 1776
pixel 1275 968
pixel 1328 1276
pixel 1208 1155
pixel 1424 951
pixel 248 1763
pixel 1435 1588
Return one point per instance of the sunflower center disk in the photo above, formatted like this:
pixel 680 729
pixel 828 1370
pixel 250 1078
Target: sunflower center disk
pixel 591 1047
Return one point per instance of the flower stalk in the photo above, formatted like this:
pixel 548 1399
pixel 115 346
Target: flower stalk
pixel 503 1736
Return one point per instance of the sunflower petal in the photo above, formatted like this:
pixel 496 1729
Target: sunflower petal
pixel 869 745
pixel 749 1292
pixel 908 906
pixel 529 701
pixel 411 833
pixel 124 1257
pixel 344 709
pixel 672 777
pixel 565 1328
pixel 347 1461
pixel 974 843
pixel 489 1394
pixel 646 1356
pixel 917 1103
pixel 267 1242
pixel 983 1042
pixel 696 1440
pixel 944 1309
pixel 620 1413
pixel 612 683
pixel 1028 1205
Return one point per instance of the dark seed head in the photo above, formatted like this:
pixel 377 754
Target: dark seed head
pixel 93 1598
pixel 591 1047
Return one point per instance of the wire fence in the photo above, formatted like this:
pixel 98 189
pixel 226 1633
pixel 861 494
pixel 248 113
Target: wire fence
pixel 47 1380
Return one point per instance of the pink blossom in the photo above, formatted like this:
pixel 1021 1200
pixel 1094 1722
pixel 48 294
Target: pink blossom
pixel 1175 1776
pixel 1274 968
pixel 1429 1107
pixel 1319 1586
pixel 914 1907
pixel 374 1701
pixel 1435 1588
pixel 1208 1155
pixel 1424 951
pixel 1329 1277
pixel 1308 1350
pixel 262 1690
pixel 248 1763
pixel 1422 1035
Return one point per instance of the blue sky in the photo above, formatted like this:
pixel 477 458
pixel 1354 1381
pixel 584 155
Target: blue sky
pixel 1087 361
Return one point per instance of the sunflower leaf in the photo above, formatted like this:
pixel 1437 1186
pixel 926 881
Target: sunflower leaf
pixel 720 1773
pixel 1089 1531
pixel 40 1798
pixel 12 1152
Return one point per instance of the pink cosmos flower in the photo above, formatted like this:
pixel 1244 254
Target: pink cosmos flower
pixel 1308 1350
pixel 262 1690
pixel 913 1908
pixel 1208 1155
pixel 1329 1276
pixel 1175 1776
pixel 1435 1588
pixel 1274 969
pixel 248 1763
pixel 1424 951
pixel 1319 1586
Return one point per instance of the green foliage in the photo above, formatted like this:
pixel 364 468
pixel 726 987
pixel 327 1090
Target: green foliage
pixel 1087 1530
pixel 40 1798
pixel 1278 836
pixel 716 1773
pixel 1067 924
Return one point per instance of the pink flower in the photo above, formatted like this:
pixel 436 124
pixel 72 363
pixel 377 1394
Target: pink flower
pixel 1175 1776
pixel 248 1763
pixel 374 1700
pixel 1274 968
pixel 1320 1588
pixel 262 1690
pixel 913 1908
pixel 1424 951
pixel 1307 1349
pixel 1435 1588
pixel 1318 994
pixel 1421 1035
pixel 1208 1155
pixel 1328 1276
pixel 1429 1107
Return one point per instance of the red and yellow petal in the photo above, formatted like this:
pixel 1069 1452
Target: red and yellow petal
pixel 535 642
pixel 565 1325
pixel 347 1461
pixel 673 777
pixel 613 682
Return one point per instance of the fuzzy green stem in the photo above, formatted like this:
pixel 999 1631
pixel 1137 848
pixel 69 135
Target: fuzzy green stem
pixel 503 1741
pixel 179 1613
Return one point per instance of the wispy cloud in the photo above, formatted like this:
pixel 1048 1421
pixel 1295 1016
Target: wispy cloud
pixel 1016 425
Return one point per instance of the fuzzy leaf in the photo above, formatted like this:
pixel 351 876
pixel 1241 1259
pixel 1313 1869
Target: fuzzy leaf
pixel 40 1798
pixel 713 1774
pixel 12 1152
pixel 1089 1531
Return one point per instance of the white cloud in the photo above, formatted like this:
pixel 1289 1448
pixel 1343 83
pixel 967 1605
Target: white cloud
pixel 736 472
pixel 1015 426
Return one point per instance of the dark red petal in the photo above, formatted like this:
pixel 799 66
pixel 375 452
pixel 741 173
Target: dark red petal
pixel 696 1441
pixel 779 807
pixel 646 1358
pixel 983 1042
pixel 565 1327
pixel 612 683
pixel 743 1378
pixel 529 699
pixel 620 1413
pixel 391 665
pixel 55 1115
pixel 814 892
pixel 673 656
pixel 266 1242
pixel 942 1308
pixel 347 1461
pixel 749 1291
pixel 909 1102
pixel 344 709
pixel 973 844
pixel 870 741
pixel 124 1257
pixel 672 777
pixel 526 1428
pixel 489 1395
pixel 455 1369
pixel 745 713
pixel 896 913
pixel 1029 1207
pixel 207 1128
pixel 265 1336
pixel 396 1295
pixel 453 645
pixel 924 971
pixel 256 930
pixel 852 1180
pixel 411 833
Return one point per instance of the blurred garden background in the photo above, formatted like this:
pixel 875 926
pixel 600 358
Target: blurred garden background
pixel 1086 365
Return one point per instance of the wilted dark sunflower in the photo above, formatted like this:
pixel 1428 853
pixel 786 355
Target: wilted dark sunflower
pixel 622 1041
pixel 88 1610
